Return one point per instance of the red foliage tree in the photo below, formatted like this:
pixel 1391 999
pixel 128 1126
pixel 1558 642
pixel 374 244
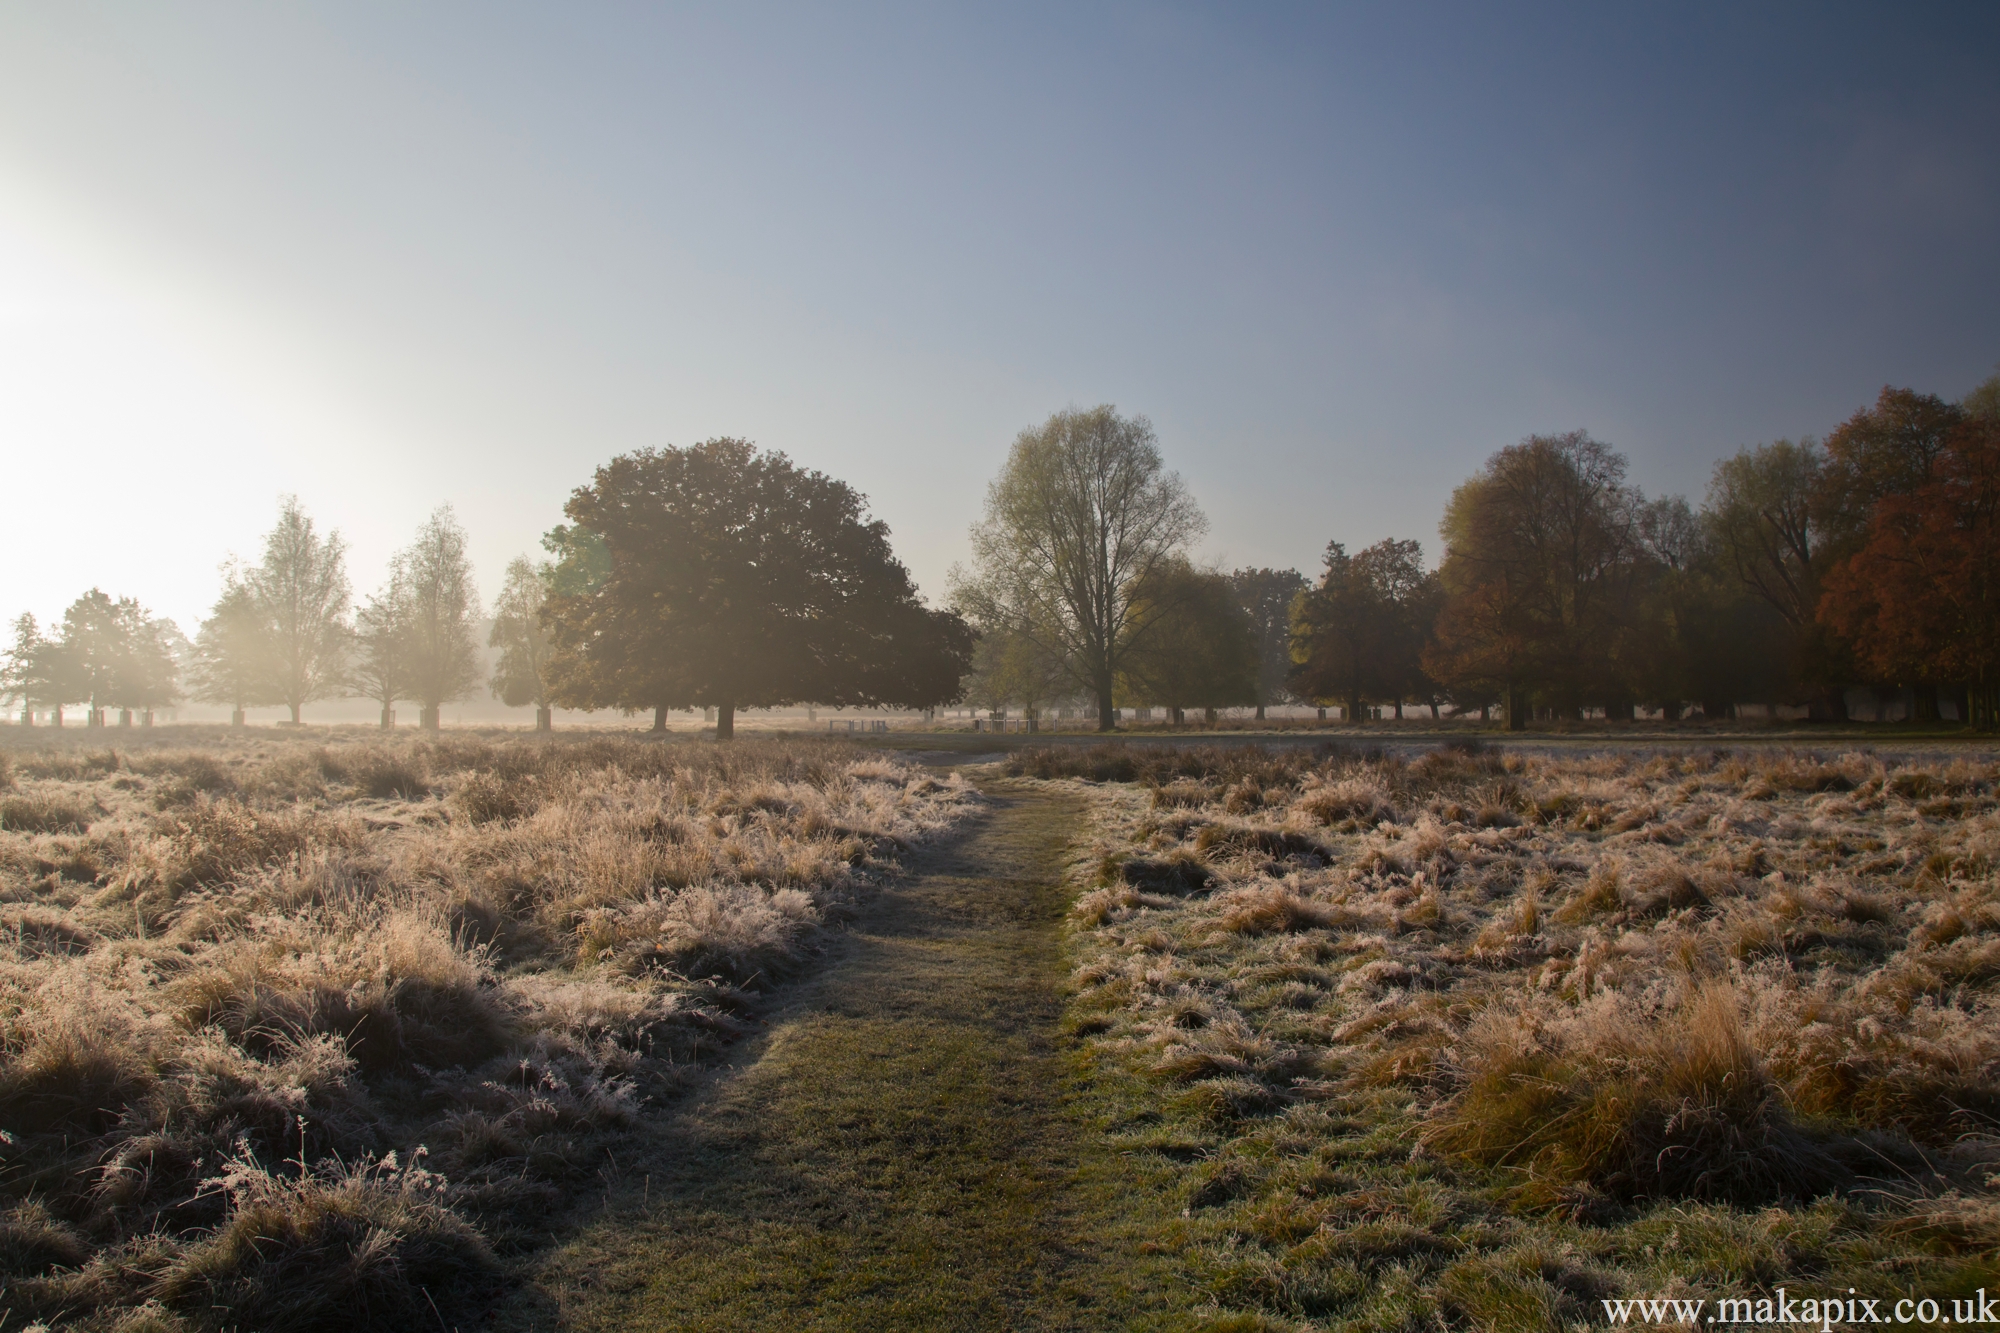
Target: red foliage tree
pixel 1920 599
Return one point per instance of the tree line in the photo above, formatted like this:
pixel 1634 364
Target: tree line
pixel 1868 560
pixel 284 631
pixel 715 576
pixel 722 577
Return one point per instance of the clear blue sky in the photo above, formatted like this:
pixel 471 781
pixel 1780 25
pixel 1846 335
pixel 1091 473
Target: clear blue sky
pixel 388 255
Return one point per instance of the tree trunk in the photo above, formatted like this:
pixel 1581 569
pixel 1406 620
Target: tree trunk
pixel 1517 709
pixel 544 720
pixel 236 717
pixel 57 715
pixel 1399 708
pixel 27 717
pixel 295 713
pixel 1961 702
pixel 125 717
pixel 725 722
pixel 1107 717
pixel 1715 710
pixel 387 721
pixel 1353 706
pixel 1923 704
pixel 1260 712
pixel 659 719
pixel 430 717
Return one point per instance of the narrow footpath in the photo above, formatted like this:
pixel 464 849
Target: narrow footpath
pixel 909 1145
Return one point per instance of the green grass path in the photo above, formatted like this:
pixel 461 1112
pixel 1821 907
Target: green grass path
pixel 912 1145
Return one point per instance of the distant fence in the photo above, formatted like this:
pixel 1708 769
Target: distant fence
pixel 857 724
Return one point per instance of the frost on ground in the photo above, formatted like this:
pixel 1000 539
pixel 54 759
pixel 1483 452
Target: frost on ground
pixel 301 1035
pixel 1478 1039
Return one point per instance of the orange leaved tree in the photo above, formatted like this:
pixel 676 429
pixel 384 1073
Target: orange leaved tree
pixel 1920 599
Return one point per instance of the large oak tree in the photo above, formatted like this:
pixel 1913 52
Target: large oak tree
pixel 720 576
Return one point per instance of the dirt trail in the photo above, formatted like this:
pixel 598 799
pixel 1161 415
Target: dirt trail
pixel 909 1146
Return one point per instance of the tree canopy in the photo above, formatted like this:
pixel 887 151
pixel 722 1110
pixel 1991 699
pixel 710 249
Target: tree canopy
pixel 1542 564
pixel 1266 597
pixel 1359 634
pixel 1191 645
pixel 1081 515
pixel 732 578
pixel 302 597
pixel 521 675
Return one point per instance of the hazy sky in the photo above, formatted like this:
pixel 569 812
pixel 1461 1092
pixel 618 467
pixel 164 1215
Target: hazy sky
pixel 390 255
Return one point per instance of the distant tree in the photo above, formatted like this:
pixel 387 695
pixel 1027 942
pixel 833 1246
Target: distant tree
pixel 1889 449
pixel 17 667
pixel 1541 575
pixel 1983 401
pixel 160 656
pixel 1081 515
pixel 521 676
pixel 112 654
pixel 731 578
pixel 39 672
pixel 1766 517
pixel 1921 598
pixel 302 598
pixel 1192 646
pixel 232 651
pixel 437 608
pixel 1009 667
pixel 1359 634
pixel 380 668
pixel 1266 596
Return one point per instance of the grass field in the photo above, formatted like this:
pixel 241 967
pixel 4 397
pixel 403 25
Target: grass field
pixel 1481 1038
pixel 325 1031
pixel 328 1030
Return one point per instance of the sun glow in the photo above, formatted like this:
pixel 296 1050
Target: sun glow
pixel 147 428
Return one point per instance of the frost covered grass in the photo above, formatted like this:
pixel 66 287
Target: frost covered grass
pixel 309 1033
pixel 1480 1037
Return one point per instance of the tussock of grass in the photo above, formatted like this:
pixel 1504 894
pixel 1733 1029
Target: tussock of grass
pixel 45 812
pixel 1636 1105
pixel 1522 1031
pixel 268 958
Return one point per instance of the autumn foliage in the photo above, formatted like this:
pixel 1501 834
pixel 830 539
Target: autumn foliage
pixel 1920 599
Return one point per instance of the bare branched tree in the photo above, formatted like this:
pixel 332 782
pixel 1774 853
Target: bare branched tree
pixel 1081 514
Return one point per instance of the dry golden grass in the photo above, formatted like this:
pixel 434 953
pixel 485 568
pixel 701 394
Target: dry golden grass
pixel 242 980
pixel 1568 996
